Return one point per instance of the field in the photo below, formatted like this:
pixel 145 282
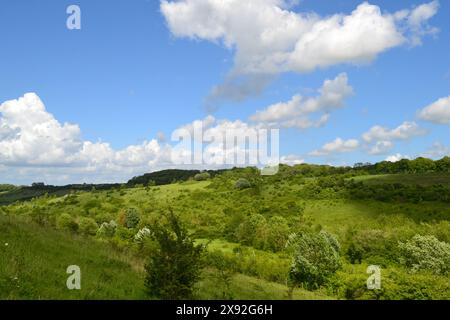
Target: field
pixel 245 231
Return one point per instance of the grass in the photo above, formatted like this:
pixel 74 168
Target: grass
pixel 243 287
pixel 33 265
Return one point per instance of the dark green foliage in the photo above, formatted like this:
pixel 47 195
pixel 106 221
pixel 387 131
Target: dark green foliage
pixel 174 261
pixel 163 177
pixel 132 218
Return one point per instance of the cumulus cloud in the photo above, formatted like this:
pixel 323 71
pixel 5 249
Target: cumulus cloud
pixel 437 112
pixel 405 131
pixel 269 38
pixel 380 140
pixel 296 112
pixel 337 146
pixel 30 137
pixel 292 160
pixel 381 147
pixel 437 151
pixel 397 157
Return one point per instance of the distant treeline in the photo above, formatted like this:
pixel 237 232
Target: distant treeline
pixel 419 165
pixel 37 190
pixel 168 176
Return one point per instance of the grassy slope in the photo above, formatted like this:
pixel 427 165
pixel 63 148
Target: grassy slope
pixel 33 266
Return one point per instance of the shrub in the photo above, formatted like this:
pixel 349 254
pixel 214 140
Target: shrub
pixel 202 176
pixel 174 261
pixel 425 253
pixel 67 222
pixel 88 226
pixel 142 235
pixel 107 229
pixel 242 184
pixel 132 218
pixel 315 258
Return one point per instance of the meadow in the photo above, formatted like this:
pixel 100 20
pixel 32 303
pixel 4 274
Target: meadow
pixel 397 221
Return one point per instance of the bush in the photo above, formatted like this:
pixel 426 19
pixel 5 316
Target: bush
pixel 132 218
pixel 315 258
pixel 202 176
pixel 425 253
pixel 67 222
pixel 174 261
pixel 242 184
pixel 88 226
pixel 107 229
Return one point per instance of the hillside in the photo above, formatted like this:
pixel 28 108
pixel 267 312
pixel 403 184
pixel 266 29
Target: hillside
pixel 245 220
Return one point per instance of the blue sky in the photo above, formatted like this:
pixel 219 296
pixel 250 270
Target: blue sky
pixel 130 74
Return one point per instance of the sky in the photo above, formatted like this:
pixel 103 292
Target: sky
pixel 344 81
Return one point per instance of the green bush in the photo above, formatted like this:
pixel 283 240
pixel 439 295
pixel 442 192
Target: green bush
pixel 66 222
pixel 242 184
pixel 425 253
pixel 315 258
pixel 132 218
pixel 202 176
pixel 88 226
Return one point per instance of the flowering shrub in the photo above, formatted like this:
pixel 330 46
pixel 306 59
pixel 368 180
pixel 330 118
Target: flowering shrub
pixel 107 229
pixel 425 253
pixel 142 234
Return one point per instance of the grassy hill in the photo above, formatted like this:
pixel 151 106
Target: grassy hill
pixel 35 259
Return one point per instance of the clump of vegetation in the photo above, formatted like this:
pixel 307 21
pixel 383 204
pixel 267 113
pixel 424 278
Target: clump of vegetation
pixel 425 253
pixel 174 262
pixel 66 222
pixel 315 258
pixel 202 176
pixel 242 184
pixel 130 218
pixel 107 229
pixel 88 226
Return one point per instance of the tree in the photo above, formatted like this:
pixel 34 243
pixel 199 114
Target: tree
pixel 315 258
pixel 174 262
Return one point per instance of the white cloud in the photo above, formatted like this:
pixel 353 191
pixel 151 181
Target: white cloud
pixel 296 112
pixel 31 139
pixel 437 112
pixel 337 146
pixel 381 147
pixel 405 131
pixel 397 157
pixel 269 38
pixel 292 160
pixel 437 151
